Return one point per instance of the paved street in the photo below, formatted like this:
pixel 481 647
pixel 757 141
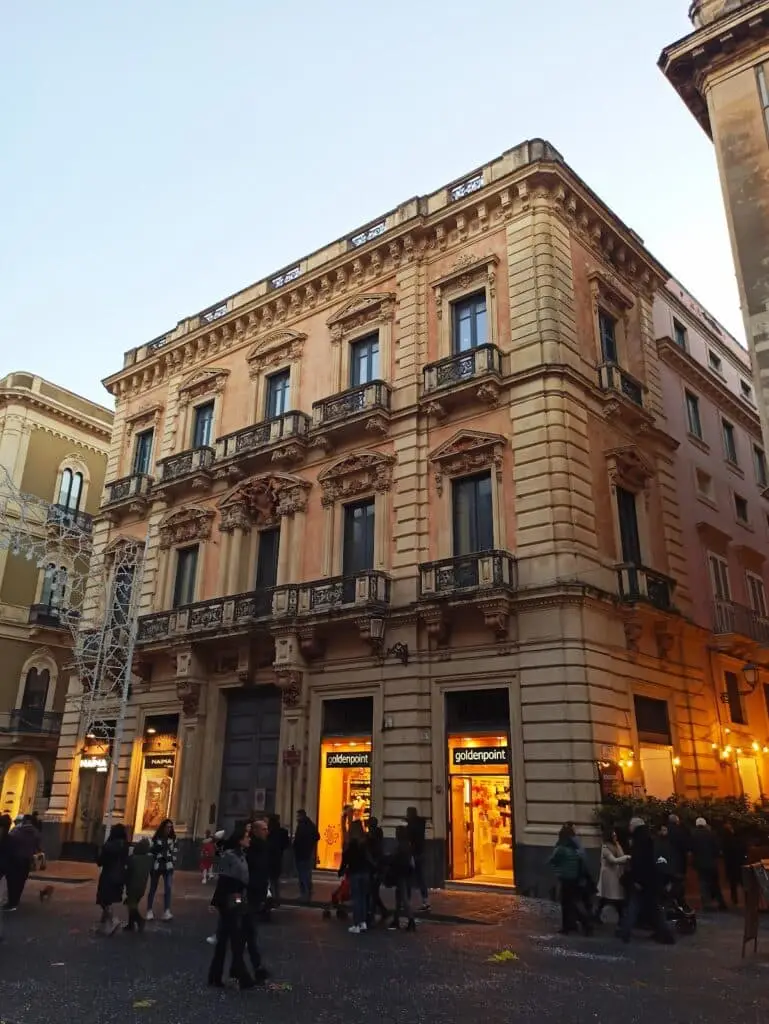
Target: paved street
pixel 53 968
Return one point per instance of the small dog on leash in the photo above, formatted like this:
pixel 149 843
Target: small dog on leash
pixel 46 893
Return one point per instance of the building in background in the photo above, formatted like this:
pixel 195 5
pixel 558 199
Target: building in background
pixel 54 446
pixel 422 531
pixel 721 71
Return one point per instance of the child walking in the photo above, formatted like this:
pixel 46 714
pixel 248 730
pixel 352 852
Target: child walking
pixel 207 854
pixel 137 876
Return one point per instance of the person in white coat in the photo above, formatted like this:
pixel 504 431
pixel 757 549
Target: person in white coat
pixel 610 888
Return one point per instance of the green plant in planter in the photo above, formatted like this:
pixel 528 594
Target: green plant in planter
pixel 753 824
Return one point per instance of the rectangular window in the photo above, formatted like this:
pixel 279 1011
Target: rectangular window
pixel 277 394
pixel 630 538
pixel 763 91
pixel 693 415
pixel 704 484
pixel 652 720
pixel 121 595
pixel 759 464
pixel 186 571
pixel 679 335
pixel 473 516
pixel 714 362
pixel 358 543
pixel 741 508
pixel 364 360
pixel 730 442
pixel 204 425
pixel 756 594
pixel 607 328
pixel 267 558
pixel 469 323
pixel 736 708
pixel 143 452
pixel 746 390
pixel 719 577
pixel 54 589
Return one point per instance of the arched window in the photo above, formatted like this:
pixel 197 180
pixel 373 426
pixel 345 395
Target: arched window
pixel 70 490
pixel 35 690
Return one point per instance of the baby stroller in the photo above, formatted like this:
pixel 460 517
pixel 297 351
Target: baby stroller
pixel 677 911
pixel 339 897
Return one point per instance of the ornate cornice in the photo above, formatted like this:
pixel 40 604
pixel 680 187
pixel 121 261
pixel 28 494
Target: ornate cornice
pixel 185 524
pixel 209 380
pixel 363 309
pixel 276 347
pixel 467 452
pixel 358 473
pixel 33 400
pixel 262 500
pixel 629 467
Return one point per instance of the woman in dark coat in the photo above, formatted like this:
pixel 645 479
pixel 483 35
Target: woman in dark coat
pixel 113 861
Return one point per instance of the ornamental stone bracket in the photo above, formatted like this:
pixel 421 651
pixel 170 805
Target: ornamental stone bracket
pixel 290 682
pixel 358 473
pixel 467 452
pixel 437 625
pixel 184 525
pixel 311 644
pixel 189 673
pixel 496 617
pixel 666 637
pixel 633 627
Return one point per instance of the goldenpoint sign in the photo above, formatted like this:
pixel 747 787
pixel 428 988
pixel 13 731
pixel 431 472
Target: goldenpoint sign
pixel 349 759
pixel 479 755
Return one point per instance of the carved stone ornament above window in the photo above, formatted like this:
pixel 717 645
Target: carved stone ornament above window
pixel 607 289
pixel 468 451
pixel 371 309
pixel 277 347
pixel 262 501
pixel 209 380
pixel 147 417
pixel 184 525
pixel 629 468
pixel 359 473
pixel 123 550
pixel 467 271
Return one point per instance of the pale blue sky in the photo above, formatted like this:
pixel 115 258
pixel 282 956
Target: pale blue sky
pixel 157 156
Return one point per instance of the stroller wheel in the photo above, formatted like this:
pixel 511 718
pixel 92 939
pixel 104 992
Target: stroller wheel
pixel 326 914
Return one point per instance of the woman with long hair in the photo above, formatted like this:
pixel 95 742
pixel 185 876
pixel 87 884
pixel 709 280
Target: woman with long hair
pixel 163 849
pixel 614 861
pixel 113 861
pixel 230 899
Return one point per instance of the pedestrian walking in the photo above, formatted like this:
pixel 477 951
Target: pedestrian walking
pixel 375 847
pixel 644 887
pixel 566 861
pixel 163 849
pixel 230 900
pixel 207 854
pixel 357 865
pixel 113 861
pixel 735 851
pixel 614 860
pixel 705 852
pixel 5 828
pixel 277 844
pixel 137 875
pixel 399 872
pixel 306 839
pixel 23 843
pixel 416 827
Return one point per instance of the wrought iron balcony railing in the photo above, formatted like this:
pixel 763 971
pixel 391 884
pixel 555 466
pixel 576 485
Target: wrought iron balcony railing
pixel 194 460
pixel 375 395
pixel 462 367
pixel 31 721
pixel 366 589
pixel 466 575
pixel 731 618
pixel 137 485
pixel 612 378
pixel 221 614
pixel 60 515
pixel 638 583
pixel 261 435
pixel 53 616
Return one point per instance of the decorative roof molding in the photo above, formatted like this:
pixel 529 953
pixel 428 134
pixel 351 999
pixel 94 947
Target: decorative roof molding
pixel 363 308
pixel 276 347
pixel 145 412
pixel 357 473
pixel 467 451
pixel 185 524
pixel 57 411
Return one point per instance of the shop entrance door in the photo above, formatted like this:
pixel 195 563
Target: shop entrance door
pixel 461 828
pixel 481 840
pixel 250 759
pixel 90 807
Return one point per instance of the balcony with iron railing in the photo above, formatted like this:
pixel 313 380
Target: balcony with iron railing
pixel 190 468
pixel 216 616
pixel 129 489
pixel 70 519
pixel 367 589
pixel 363 407
pixel 468 576
pixel 612 378
pixel 730 619
pixel 464 377
pixel 52 616
pixel 265 441
pixel 31 722
pixel 639 583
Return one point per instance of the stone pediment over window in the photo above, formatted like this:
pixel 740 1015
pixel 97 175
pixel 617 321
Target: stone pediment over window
pixel 468 451
pixel 359 473
pixel 467 271
pixel 123 550
pixel 606 287
pixel 276 347
pixel 364 309
pixel 262 500
pixel 145 418
pixel 629 468
pixel 206 381
pixel 184 525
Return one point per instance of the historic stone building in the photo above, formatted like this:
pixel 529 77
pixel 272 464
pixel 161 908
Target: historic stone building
pixel 415 536
pixel 721 71
pixel 53 445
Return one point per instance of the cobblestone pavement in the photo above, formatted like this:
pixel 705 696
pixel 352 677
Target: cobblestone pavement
pixel 54 968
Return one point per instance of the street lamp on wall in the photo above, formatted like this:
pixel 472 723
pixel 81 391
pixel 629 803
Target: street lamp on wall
pixel 376 637
pixel 751 673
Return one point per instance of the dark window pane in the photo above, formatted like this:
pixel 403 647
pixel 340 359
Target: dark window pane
pixel 186 570
pixel 608 330
pixel 204 421
pixel 473 515
pixel 348 717
pixel 143 452
pixel 277 394
pixel 470 327
pixel 652 719
pixel 364 360
pixel 267 558
pixel 358 553
pixel 628 527
pixel 736 709
pixel 35 689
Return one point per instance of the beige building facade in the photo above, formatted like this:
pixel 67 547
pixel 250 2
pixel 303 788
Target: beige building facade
pixel 53 446
pixel 414 539
pixel 721 71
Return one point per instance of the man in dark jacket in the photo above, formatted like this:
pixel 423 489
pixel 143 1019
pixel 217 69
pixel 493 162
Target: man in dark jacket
pixel 306 839
pixel 643 881
pixel 415 829
pixel 375 848
pixel 258 859
pixel 705 851
pixel 277 844
pixel 22 844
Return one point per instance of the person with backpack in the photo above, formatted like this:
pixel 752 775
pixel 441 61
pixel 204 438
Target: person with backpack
pixel 137 875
